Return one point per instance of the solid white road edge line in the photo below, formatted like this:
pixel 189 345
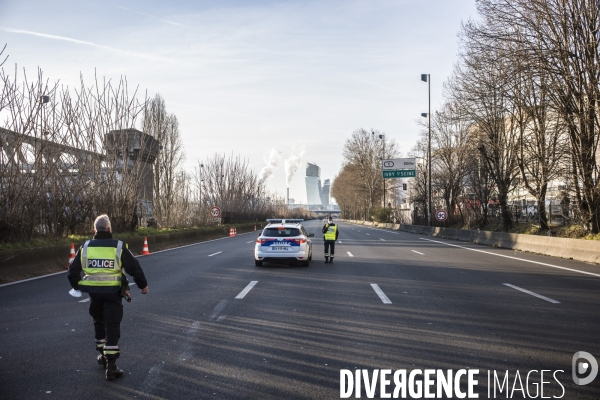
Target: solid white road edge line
pixel 214 254
pixel 350 254
pixel 382 230
pixel 414 251
pixel 193 244
pixel 159 251
pixel 33 279
pixel 380 293
pixel 379 229
pixel 246 290
pixel 532 293
pixel 515 258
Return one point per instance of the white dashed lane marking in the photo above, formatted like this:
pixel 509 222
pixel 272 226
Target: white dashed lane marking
pixel 414 251
pixel 383 240
pixel 244 292
pixel 532 293
pixel 214 254
pixel 350 254
pixel 380 293
pixel 84 300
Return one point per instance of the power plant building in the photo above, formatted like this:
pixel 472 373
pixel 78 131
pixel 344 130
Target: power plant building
pixel 325 192
pixel 315 193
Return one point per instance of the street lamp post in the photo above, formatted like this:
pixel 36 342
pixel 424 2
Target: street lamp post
pixel 382 137
pixel 427 78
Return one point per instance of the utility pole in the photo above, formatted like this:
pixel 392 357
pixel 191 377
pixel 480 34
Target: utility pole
pixel 427 78
pixel 382 158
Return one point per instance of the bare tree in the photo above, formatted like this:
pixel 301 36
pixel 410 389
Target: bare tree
pixel 561 40
pixel 56 170
pixel 349 196
pixel 479 88
pixel 164 127
pixel 362 154
pixel 228 182
pixel 450 135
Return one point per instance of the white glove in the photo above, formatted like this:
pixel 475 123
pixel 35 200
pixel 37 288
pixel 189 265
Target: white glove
pixel 75 293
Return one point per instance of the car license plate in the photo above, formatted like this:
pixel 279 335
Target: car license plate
pixel 275 248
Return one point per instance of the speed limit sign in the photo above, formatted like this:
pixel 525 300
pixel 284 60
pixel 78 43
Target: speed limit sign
pixel 441 215
pixel 215 212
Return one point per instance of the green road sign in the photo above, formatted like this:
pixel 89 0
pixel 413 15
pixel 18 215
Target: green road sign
pixel 400 173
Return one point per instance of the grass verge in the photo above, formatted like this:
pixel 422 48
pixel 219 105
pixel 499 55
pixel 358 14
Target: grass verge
pixel 78 239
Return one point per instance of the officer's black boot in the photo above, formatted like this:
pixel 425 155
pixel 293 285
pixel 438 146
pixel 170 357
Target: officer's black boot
pixel 100 347
pixel 331 258
pixel 102 360
pixel 112 371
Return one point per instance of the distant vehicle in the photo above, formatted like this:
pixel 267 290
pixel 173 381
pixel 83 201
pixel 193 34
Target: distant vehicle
pixel 283 240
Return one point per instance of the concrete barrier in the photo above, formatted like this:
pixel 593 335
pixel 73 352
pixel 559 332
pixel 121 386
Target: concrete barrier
pixel 26 263
pixel 573 249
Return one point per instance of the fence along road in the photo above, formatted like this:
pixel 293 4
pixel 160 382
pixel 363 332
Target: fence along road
pixel 296 327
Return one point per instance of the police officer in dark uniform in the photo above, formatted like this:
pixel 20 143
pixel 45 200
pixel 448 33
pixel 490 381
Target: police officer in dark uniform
pixel 330 235
pixel 103 261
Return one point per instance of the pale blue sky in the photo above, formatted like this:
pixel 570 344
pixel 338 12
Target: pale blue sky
pixel 248 76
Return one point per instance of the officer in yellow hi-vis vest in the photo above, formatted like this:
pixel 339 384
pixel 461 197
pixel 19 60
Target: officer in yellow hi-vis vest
pixel 103 261
pixel 330 235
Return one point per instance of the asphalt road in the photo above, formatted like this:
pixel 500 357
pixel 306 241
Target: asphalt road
pixel 214 326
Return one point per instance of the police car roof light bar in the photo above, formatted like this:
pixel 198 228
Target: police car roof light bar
pixel 284 221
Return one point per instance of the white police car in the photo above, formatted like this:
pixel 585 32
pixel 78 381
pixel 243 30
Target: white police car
pixel 283 240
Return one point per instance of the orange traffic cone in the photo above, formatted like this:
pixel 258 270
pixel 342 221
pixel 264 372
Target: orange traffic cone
pixel 231 232
pixel 145 251
pixel 254 228
pixel 234 232
pixel 71 256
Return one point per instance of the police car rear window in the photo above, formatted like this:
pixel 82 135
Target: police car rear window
pixel 281 232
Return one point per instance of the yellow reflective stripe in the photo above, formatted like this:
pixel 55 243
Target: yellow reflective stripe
pixel 111 352
pixel 101 271
pixel 100 277
pixel 118 253
pixel 100 283
pixel 84 254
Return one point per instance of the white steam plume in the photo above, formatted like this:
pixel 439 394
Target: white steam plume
pixel 292 163
pixel 271 163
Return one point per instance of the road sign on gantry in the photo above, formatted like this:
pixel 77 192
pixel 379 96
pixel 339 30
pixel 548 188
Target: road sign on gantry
pixel 441 215
pixel 398 163
pixel 401 173
pixel 215 212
